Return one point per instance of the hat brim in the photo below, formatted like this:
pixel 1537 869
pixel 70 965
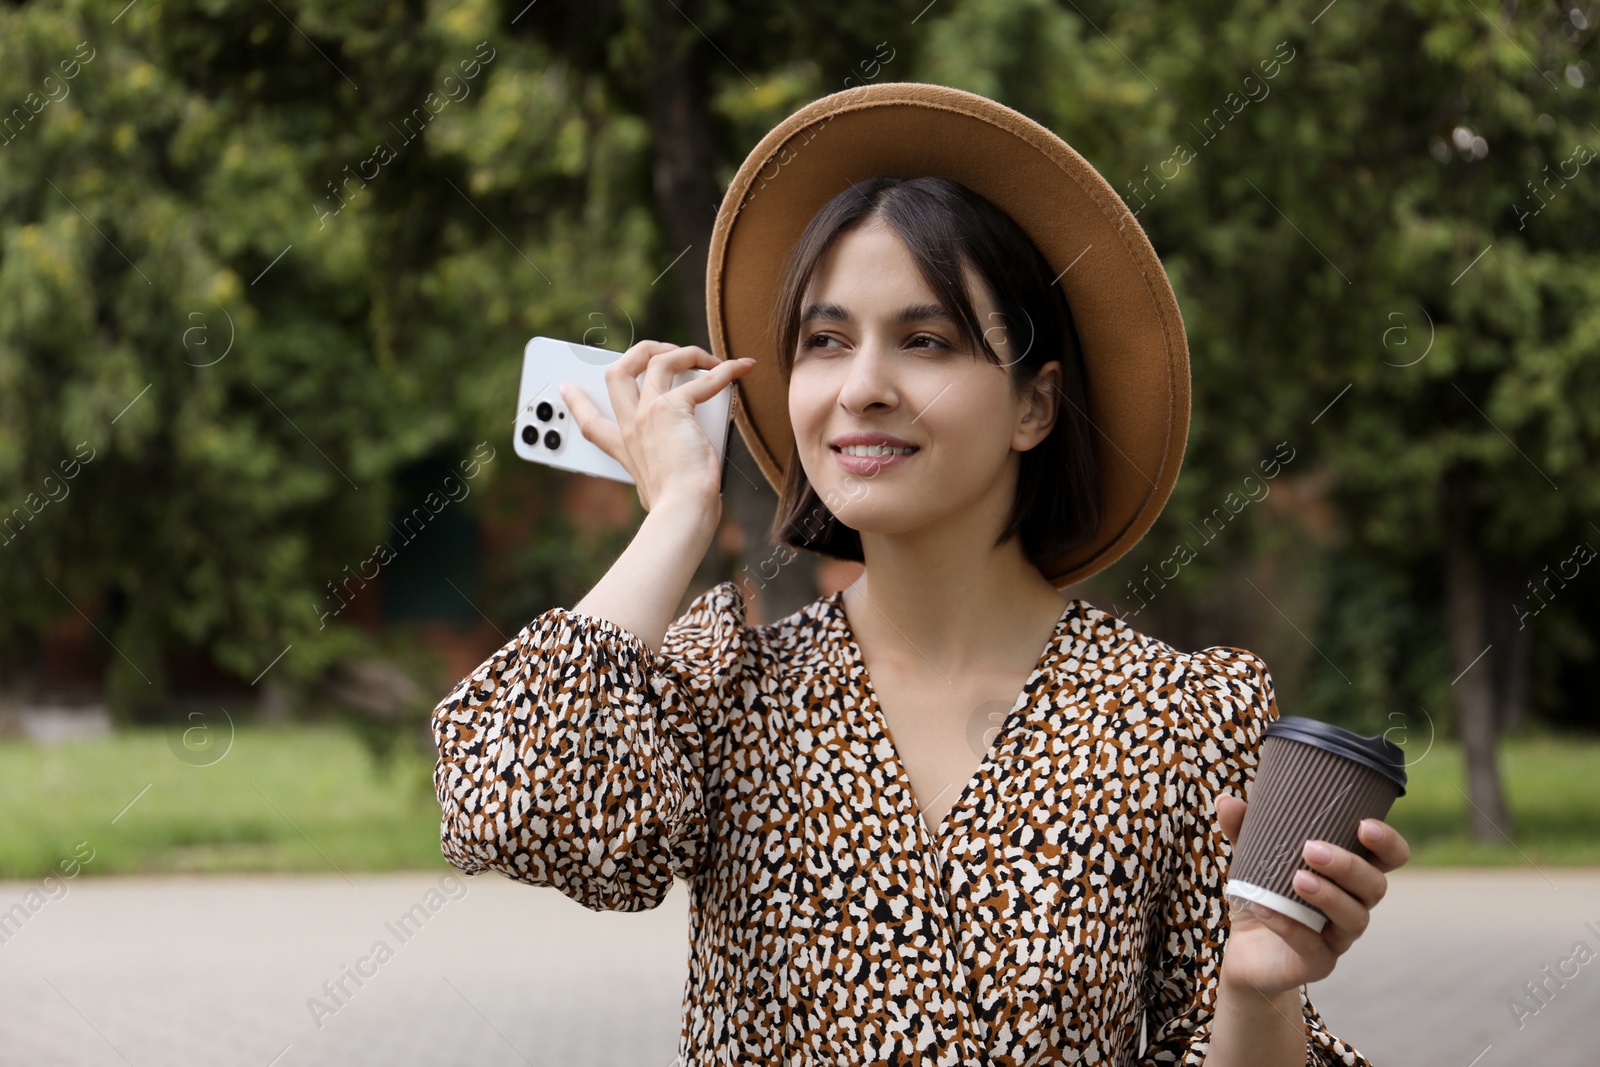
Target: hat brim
pixel 1136 358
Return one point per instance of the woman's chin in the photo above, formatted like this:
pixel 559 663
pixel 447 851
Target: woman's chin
pixel 882 518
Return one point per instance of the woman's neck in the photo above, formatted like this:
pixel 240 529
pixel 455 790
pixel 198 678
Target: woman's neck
pixel 972 615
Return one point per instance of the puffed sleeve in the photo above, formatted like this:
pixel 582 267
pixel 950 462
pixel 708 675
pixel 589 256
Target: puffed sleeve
pixel 574 758
pixel 1231 703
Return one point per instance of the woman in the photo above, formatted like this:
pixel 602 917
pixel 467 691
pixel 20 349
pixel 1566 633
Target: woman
pixel 945 815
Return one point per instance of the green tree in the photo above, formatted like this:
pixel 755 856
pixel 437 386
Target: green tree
pixel 256 261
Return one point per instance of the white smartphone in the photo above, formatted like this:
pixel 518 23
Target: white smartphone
pixel 545 431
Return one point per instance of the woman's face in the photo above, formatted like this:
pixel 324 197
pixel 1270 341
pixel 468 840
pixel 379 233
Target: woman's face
pixel 876 355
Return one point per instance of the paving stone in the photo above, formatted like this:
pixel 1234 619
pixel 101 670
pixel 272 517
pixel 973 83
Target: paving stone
pixel 222 971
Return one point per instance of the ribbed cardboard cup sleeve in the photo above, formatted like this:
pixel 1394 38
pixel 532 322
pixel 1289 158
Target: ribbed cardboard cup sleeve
pixel 1302 791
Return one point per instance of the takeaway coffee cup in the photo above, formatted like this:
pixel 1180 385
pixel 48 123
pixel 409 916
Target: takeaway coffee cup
pixel 1313 780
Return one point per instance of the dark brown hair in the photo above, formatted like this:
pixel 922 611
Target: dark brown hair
pixel 946 226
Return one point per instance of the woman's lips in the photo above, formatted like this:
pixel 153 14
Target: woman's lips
pixel 871 464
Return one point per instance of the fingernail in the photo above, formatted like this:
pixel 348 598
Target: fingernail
pixel 1371 831
pixel 1317 852
pixel 1307 882
pixel 1263 911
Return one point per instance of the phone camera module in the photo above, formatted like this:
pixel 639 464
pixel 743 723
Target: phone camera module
pixel 552 440
pixel 544 412
pixel 530 435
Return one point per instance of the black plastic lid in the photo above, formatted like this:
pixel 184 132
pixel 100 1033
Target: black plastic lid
pixel 1379 753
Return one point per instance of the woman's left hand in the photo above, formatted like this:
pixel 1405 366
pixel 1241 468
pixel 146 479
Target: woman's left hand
pixel 1273 953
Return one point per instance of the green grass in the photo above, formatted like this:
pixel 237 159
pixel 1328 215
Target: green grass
pixel 283 798
pixel 302 798
pixel 1552 786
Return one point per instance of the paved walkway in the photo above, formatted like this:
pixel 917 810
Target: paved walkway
pixel 442 969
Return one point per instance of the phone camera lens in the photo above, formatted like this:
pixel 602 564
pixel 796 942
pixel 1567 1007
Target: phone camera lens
pixel 530 436
pixel 544 411
pixel 552 440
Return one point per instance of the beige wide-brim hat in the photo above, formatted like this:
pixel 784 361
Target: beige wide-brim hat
pixel 1136 358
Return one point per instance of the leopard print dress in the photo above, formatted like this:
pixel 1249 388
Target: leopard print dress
pixel 1068 909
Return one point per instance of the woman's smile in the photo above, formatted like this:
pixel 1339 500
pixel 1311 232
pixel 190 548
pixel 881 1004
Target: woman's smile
pixel 869 453
pixel 871 459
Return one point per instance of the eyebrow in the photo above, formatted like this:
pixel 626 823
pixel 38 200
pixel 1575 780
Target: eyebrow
pixel 913 313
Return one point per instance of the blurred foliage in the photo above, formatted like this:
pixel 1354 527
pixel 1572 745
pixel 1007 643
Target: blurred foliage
pixel 210 279
pixel 255 260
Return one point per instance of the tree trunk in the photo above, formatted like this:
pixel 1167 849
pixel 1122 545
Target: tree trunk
pixel 136 688
pixel 686 197
pixel 1511 640
pixel 685 190
pixel 1469 606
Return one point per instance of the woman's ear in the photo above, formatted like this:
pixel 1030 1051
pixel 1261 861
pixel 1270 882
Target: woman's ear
pixel 1041 406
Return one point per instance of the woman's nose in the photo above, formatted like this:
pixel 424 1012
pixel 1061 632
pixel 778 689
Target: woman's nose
pixel 869 378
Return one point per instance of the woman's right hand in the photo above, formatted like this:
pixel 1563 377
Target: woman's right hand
pixel 655 436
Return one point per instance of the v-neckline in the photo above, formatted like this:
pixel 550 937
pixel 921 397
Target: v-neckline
pixel 879 722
